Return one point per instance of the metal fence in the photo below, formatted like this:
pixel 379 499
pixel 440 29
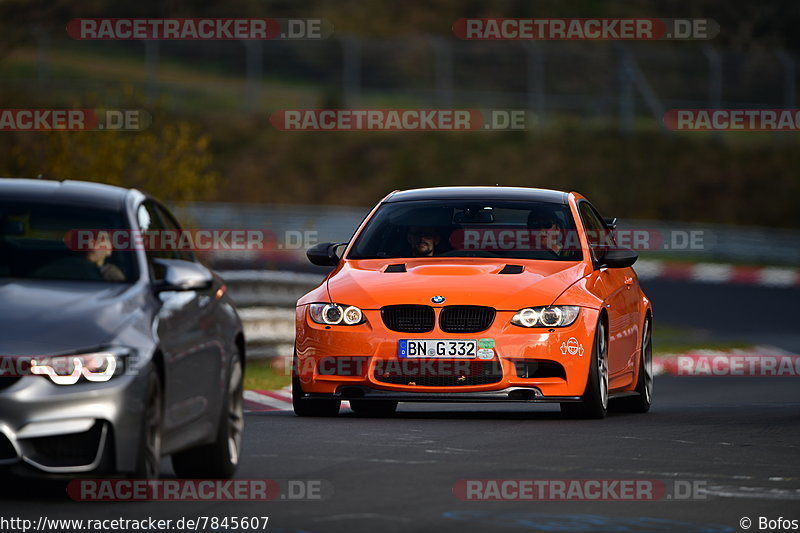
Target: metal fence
pixel 603 83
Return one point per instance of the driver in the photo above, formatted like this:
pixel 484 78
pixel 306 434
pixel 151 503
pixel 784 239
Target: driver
pixel 546 232
pixel 90 265
pixel 423 240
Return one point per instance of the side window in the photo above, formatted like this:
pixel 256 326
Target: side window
pixel 596 231
pixel 171 225
pixel 149 221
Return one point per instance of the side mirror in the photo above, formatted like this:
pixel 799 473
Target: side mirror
pixel 182 275
pixel 324 254
pixel 617 257
pixel 611 222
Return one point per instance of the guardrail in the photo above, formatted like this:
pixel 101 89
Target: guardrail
pixel 266 301
pixel 260 288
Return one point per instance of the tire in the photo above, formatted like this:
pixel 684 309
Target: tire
pixel 376 408
pixel 305 407
pixel 644 381
pixel 219 459
pixel 148 457
pixel 595 397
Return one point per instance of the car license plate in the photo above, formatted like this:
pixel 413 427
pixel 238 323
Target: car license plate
pixel 444 348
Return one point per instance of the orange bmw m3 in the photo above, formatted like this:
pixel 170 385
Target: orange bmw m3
pixel 475 294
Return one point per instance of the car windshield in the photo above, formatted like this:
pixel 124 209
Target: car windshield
pixel 453 228
pixel 38 240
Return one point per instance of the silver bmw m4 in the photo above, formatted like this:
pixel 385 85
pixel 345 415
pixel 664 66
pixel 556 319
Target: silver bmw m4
pixel 111 358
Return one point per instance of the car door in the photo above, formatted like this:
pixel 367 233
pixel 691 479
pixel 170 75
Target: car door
pixel 632 303
pixel 189 342
pixel 616 285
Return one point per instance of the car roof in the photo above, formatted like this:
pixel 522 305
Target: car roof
pixel 77 193
pixel 479 193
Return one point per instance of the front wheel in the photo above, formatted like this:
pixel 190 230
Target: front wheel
pixel 149 454
pixel 220 458
pixel 595 396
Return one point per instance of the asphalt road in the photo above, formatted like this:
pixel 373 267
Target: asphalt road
pixel 738 437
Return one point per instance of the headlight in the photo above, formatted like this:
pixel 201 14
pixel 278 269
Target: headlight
pixel 555 316
pixel 333 314
pixel 69 369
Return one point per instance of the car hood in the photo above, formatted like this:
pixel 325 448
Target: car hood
pixel 368 284
pixel 45 317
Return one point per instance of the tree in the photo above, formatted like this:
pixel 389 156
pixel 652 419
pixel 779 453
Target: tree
pixel 170 159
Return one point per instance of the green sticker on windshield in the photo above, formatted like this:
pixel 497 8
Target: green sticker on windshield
pixel 485 343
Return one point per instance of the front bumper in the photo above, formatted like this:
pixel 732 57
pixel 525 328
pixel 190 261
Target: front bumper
pixel 376 346
pixel 53 430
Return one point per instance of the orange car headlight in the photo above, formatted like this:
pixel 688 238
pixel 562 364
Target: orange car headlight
pixel 554 316
pixel 332 314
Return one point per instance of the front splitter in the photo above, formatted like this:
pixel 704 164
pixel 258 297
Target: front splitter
pixel 510 394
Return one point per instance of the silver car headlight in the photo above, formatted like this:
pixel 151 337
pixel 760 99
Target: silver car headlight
pixel 554 316
pixel 97 366
pixel 332 314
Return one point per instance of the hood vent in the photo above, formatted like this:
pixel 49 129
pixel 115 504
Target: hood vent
pixel 512 269
pixel 399 267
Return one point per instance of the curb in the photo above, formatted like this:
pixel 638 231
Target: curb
pixel 258 401
pixel 268 400
pixel 667 365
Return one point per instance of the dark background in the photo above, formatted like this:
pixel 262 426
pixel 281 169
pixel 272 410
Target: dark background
pixel 596 131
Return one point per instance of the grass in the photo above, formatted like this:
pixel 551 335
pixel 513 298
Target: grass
pixel 193 87
pixel 201 86
pixel 672 339
pixel 260 374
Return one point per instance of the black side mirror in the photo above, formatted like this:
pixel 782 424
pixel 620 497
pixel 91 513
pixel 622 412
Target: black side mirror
pixel 616 257
pixel 324 254
pixel 611 222
pixel 182 275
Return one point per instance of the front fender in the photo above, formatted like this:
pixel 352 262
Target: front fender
pixel 584 293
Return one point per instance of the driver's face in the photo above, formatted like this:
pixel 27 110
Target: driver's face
pixel 423 241
pixel 101 246
pixel 548 233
